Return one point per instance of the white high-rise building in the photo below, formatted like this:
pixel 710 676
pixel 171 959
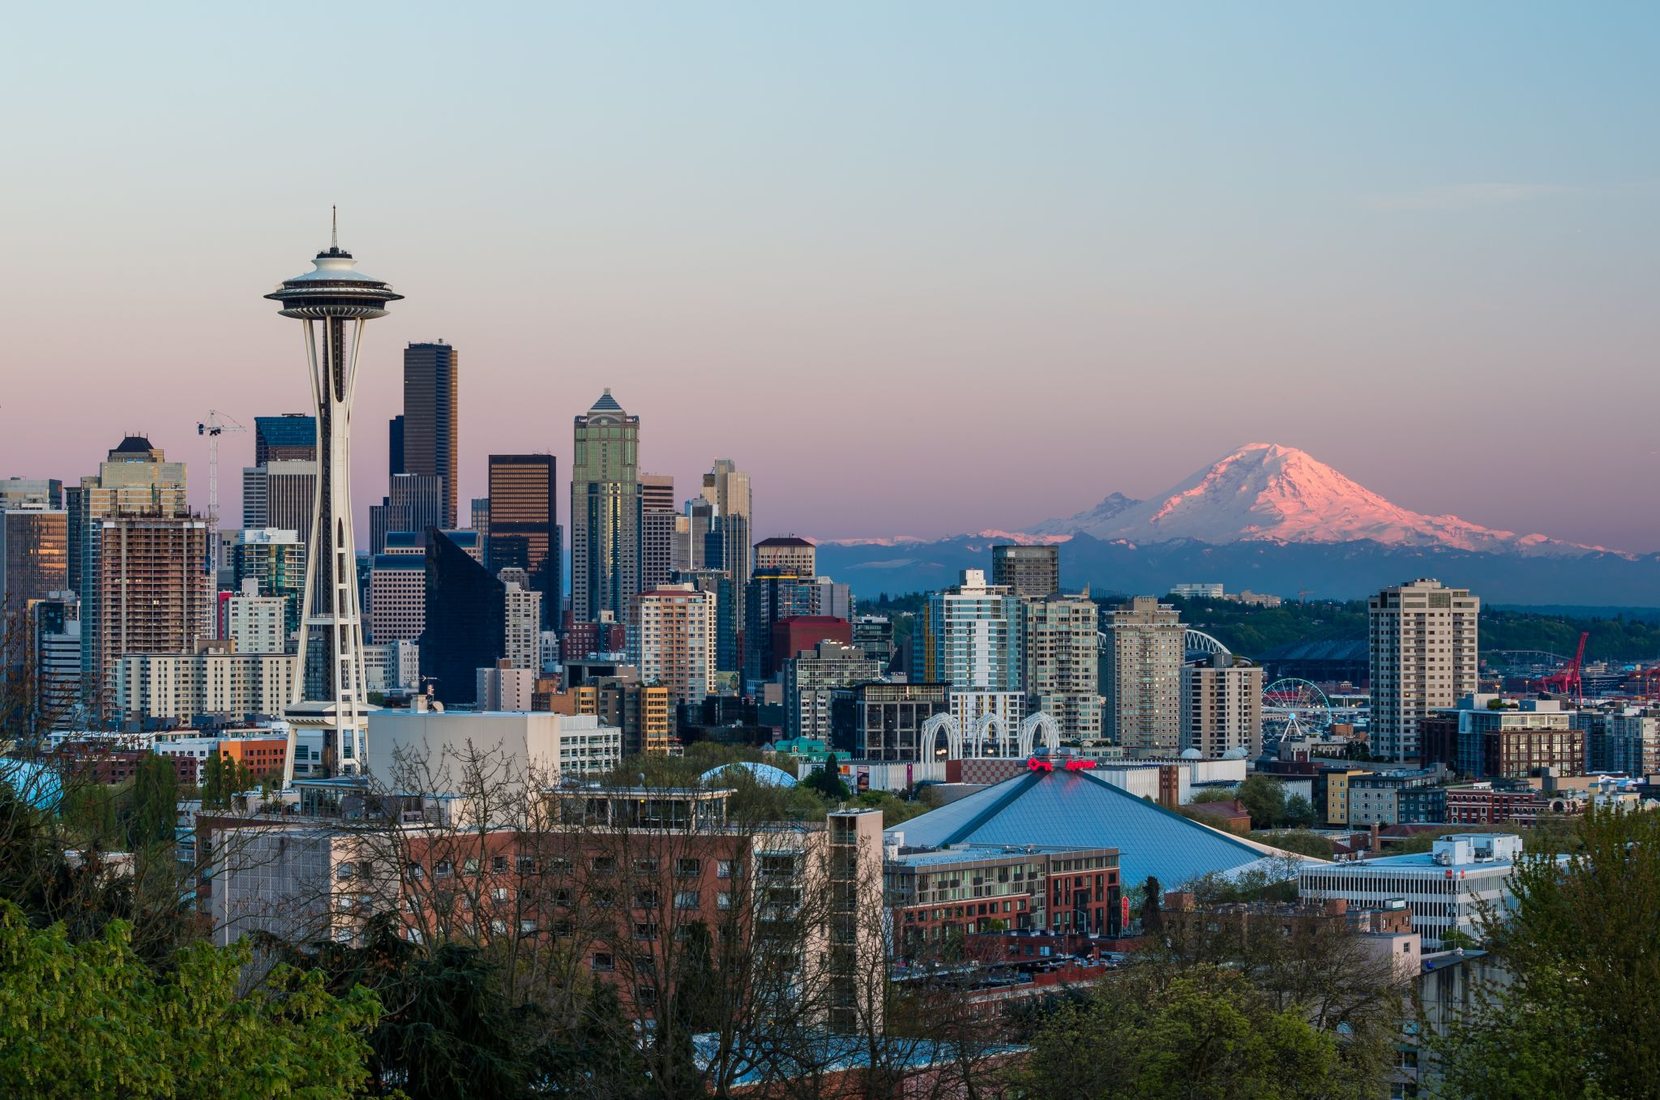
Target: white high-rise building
pixel 1421 647
pixel 677 641
pixel 969 638
pixel 522 618
pixel 1142 677
pixel 1062 653
pixel 255 623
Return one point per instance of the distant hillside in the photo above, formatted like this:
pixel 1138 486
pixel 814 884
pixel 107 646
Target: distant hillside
pixel 1252 630
pixel 1333 571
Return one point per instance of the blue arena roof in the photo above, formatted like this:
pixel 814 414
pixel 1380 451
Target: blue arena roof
pixel 34 783
pixel 1078 809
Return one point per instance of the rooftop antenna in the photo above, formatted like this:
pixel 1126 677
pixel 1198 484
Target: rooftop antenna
pixel 334 228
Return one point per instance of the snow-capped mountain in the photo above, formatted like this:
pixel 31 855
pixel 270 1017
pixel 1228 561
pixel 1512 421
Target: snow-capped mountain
pixel 1272 493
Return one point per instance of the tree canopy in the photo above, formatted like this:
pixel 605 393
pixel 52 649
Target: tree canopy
pixel 91 1019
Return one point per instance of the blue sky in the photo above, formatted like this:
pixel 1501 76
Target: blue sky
pixel 921 268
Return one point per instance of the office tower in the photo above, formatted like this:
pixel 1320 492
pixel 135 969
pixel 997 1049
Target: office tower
pixel 55 627
pixel 1063 664
pixel 420 498
pixel 727 489
pixel 658 520
pixel 1222 707
pixel 34 564
pixel 677 641
pixel 692 537
pixel 773 596
pixel 874 635
pixel 333 301
pixel 398 590
pixel 521 620
pixel 291 437
pixel 605 513
pixel 1421 649
pixel 479 513
pixel 31 492
pixel 1030 572
pixel 384 520
pixel 254 623
pixel 151 591
pixel 430 391
pixel 280 494
pixel 466 619
pixel 524 525
pixel 1141 677
pixel 787 554
pixel 968 636
pixel 275 560
pixel 34 555
pixel 833 599
pixel 879 721
pixel 811 678
pixel 719 585
pixel 394 446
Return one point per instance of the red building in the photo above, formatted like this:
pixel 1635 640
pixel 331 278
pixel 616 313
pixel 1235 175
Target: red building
pixel 791 636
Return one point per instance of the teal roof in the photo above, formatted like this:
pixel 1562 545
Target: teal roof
pixel 606 403
pixel 764 774
pixel 1079 809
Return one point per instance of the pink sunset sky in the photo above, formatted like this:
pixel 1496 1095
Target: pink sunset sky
pixel 920 269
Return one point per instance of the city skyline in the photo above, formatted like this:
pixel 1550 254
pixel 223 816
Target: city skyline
pixel 1263 239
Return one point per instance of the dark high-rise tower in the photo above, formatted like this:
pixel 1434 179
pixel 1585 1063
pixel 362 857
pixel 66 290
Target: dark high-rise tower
pixel 333 301
pixel 291 437
pixel 524 525
pixel 429 417
pixel 466 621
pixel 1029 572
pixel 394 446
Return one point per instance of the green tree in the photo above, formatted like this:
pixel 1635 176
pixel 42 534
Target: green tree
pixel 1299 813
pixel 155 803
pixel 828 781
pixel 92 1020
pixel 1264 800
pixel 1300 841
pixel 1205 1034
pixel 1152 905
pixel 1580 1015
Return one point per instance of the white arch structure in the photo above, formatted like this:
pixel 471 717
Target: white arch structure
pixel 1029 729
pixel 930 733
pixel 987 728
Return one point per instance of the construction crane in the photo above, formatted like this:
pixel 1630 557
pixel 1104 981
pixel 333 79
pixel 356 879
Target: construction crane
pixel 1566 680
pixel 216 424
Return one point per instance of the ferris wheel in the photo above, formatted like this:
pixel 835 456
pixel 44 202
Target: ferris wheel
pixel 1294 709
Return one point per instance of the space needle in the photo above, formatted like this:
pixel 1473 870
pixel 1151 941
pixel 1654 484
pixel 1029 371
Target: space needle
pixel 333 301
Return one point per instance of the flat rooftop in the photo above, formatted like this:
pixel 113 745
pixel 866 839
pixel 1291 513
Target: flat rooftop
pixel 976 853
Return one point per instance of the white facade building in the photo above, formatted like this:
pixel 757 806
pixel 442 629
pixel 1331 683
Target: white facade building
pixel 505 687
pixel 392 667
pixel 429 747
pixel 523 621
pixel 254 623
pixel 214 683
pixel 397 598
pixel 1446 888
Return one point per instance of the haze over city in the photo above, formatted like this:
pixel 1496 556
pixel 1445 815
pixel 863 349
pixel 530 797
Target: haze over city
pixel 922 269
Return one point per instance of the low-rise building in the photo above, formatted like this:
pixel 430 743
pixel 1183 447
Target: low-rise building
pixel 1446 888
pixel 934 894
pixel 1397 797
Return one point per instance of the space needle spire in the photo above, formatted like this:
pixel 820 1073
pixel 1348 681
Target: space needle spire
pixel 332 301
